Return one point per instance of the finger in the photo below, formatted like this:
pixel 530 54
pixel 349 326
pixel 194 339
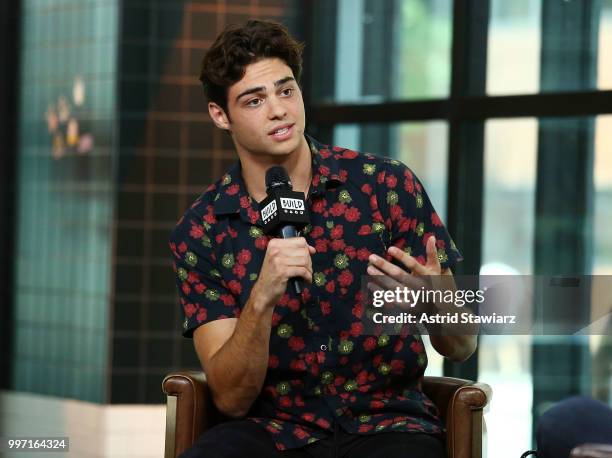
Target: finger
pixel 432 255
pixel 298 271
pixel 415 266
pixel 387 268
pixel 311 249
pixel 382 280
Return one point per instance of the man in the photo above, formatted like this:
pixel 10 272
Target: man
pixel 297 373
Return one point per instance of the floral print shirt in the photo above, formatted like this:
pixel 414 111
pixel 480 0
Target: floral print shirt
pixel 322 369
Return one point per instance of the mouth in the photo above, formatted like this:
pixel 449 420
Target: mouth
pixel 281 132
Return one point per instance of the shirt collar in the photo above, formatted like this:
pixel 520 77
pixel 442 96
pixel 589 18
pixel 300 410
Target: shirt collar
pixel 232 196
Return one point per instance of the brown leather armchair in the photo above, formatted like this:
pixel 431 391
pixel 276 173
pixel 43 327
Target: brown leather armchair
pixel 190 411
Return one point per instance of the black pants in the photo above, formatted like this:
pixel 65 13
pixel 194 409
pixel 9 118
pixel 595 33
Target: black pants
pixel 244 438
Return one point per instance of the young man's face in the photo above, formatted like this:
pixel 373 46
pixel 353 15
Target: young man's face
pixel 266 110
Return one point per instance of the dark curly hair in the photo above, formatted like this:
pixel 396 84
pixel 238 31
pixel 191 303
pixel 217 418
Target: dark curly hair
pixel 240 45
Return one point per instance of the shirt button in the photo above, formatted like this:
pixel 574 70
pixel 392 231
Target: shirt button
pixel 324 347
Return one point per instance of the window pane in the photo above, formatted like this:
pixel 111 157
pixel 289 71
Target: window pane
pixel 507 249
pixel 602 262
pixel 373 51
pixel 546 46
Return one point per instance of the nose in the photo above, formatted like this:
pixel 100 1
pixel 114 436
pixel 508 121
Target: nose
pixel 276 108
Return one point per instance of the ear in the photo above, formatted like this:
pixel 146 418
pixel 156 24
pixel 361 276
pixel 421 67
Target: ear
pixel 218 116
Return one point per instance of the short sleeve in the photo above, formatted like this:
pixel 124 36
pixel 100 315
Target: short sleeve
pixel 203 295
pixel 410 215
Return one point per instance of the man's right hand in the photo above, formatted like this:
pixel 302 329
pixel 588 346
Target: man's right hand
pixel 285 259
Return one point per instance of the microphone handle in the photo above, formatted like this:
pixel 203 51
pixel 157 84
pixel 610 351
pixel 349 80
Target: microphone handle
pixel 296 282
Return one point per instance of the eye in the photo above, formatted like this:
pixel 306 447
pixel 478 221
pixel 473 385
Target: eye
pixel 253 103
pixel 287 91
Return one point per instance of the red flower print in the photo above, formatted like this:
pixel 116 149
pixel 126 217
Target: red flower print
pixel 337 231
pixel 201 315
pixel 261 242
pixel 319 205
pixel 337 209
pixel 300 433
pixel 228 299
pixel 356 329
pixel 189 310
pixel 396 212
pixel 244 202
pixel 200 288
pixel 373 202
pixel 232 190
pixel 330 287
pixel 297 365
pixel 409 186
pixel 323 423
pixel 253 215
pixel 321 245
pixel 417 346
pixel 352 214
pixel 197 231
pixel 210 218
pixel 186 288
pixel 345 278
pixel 235 287
pixel 376 405
pixel 192 277
pixel 391 181
pixel 435 219
pixel 243 257
pixel 338 245
pixel 350 252
pixel 182 247
pixel 364 230
pixel 317 231
pixel 366 189
pixel 365 428
pixel 369 344
pixel 358 310
pixel 363 254
pixel 404 224
pixel 294 305
pixel 239 270
pixel 308 416
pixel 296 343
pixel 325 307
pixel 349 154
pixel 285 401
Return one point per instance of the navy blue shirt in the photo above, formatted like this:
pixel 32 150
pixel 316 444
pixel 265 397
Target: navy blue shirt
pixel 322 367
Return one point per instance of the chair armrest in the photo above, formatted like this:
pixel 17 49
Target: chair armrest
pixel 592 451
pixel 465 402
pixel 189 412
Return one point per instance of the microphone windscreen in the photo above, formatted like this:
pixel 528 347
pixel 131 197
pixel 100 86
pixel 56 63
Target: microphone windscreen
pixel 276 177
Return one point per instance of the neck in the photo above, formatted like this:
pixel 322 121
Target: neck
pixel 297 163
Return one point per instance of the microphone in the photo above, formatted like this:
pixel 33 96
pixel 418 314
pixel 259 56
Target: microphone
pixel 283 211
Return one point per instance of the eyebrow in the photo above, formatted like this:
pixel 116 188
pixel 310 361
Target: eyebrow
pixel 263 89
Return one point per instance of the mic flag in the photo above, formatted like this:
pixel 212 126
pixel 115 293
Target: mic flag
pixel 283 206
